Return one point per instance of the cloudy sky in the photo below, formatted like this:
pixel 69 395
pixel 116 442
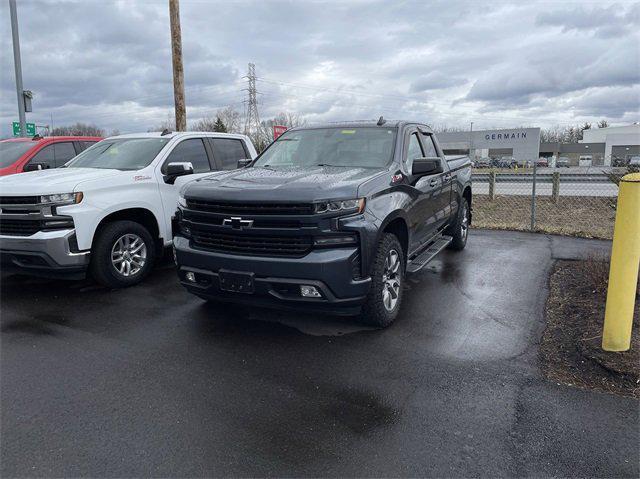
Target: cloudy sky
pixel 441 62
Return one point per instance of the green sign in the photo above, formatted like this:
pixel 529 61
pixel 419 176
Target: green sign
pixel 31 129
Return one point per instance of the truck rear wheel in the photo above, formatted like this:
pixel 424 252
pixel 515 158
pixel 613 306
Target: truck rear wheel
pixel 123 254
pixel 387 279
pixel 460 228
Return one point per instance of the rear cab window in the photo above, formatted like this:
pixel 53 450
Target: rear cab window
pixel 429 146
pixel 228 151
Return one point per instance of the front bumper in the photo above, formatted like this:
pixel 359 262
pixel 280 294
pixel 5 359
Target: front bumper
pixel 45 253
pixel 277 280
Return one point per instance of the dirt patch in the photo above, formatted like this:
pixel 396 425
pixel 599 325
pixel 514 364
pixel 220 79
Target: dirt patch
pixel 583 216
pixel 570 349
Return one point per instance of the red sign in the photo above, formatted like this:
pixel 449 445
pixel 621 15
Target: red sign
pixel 278 130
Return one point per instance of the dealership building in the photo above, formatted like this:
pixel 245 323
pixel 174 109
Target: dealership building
pixel 599 146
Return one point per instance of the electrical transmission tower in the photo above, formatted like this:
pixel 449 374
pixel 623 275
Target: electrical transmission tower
pixel 252 120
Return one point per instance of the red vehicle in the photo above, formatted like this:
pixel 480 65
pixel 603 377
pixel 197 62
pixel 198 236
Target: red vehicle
pixel 542 162
pixel 38 153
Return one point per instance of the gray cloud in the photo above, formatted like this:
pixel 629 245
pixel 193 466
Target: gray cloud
pixel 442 62
pixel 603 21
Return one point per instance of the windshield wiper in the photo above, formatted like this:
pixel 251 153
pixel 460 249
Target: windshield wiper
pixel 327 164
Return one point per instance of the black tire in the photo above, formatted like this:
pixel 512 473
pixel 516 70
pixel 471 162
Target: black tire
pixel 376 311
pixel 459 230
pixel 102 267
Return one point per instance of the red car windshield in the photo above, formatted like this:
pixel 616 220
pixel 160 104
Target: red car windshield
pixel 10 151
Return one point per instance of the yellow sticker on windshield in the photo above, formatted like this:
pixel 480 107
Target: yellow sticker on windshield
pixel 348 132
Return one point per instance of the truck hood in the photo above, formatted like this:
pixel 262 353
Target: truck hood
pixel 59 180
pixel 290 184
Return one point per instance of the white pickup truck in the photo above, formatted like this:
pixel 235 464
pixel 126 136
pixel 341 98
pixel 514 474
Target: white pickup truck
pixel 109 210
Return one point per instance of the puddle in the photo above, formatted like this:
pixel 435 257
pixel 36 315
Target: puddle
pixel 29 326
pixel 228 316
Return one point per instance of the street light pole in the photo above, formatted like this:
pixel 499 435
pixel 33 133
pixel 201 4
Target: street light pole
pixel 178 70
pixel 17 63
pixel 471 143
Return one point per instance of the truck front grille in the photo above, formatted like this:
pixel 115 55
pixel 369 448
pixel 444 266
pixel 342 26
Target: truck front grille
pixel 24 227
pixel 257 245
pixel 19 200
pixel 19 227
pixel 250 209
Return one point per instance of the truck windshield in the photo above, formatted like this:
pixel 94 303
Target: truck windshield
pixel 119 154
pixel 368 147
pixel 10 151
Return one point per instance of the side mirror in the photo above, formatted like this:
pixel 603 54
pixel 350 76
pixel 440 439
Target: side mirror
pixel 178 168
pixel 35 167
pixel 427 166
pixel 244 162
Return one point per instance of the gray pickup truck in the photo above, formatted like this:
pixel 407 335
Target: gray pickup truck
pixel 327 218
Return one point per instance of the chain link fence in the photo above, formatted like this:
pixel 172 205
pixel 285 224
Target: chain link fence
pixel 569 201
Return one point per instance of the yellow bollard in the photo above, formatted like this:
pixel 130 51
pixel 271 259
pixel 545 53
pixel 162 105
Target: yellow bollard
pixel 623 272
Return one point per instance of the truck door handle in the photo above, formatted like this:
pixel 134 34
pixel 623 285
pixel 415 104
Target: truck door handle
pixel 447 177
pixel 433 182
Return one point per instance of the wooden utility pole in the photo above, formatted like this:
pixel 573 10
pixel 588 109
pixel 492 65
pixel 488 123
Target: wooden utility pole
pixel 178 70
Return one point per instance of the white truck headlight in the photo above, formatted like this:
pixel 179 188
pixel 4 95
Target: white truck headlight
pixel 62 198
pixel 182 202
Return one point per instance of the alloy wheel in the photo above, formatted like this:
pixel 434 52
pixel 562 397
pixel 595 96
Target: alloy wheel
pixel 129 254
pixel 391 277
pixel 464 223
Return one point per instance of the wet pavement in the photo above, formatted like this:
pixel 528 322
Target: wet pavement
pixel 151 381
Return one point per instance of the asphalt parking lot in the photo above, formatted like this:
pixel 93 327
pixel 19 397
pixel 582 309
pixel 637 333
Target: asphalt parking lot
pixel 151 381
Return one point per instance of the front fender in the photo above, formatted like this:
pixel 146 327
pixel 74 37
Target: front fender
pixel 370 225
pixel 96 207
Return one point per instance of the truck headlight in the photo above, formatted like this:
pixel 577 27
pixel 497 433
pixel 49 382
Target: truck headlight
pixel 62 198
pixel 340 206
pixel 182 202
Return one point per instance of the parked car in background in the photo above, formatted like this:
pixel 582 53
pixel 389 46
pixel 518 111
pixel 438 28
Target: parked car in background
pixel 634 161
pixel 110 209
pixel 563 162
pixel 504 162
pixel 327 218
pixel 542 162
pixel 40 153
pixel 484 162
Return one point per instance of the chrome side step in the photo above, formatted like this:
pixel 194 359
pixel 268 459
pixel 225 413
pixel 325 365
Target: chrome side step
pixel 420 261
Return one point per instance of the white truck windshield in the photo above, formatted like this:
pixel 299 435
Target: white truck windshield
pixel 120 154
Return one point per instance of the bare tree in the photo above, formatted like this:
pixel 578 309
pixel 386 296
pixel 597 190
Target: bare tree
pixel 204 124
pixel 231 119
pixel 603 124
pixel 568 134
pixel 78 129
pixel 210 124
pixel 168 124
pixel 264 136
pixel 443 128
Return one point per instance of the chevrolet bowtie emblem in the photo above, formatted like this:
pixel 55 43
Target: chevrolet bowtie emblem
pixel 237 223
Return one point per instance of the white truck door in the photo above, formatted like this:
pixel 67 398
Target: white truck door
pixel 192 150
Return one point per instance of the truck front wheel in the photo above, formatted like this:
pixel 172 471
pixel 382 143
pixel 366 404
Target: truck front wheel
pixel 122 255
pixel 387 279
